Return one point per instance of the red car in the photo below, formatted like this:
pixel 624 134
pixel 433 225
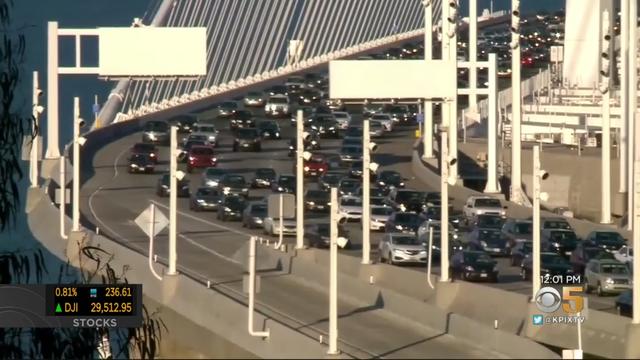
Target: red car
pixel 201 157
pixel 145 149
pixel 528 60
pixel 317 165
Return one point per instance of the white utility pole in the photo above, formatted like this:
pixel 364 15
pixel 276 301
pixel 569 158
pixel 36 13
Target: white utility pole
pixel 299 182
pixel 605 86
pixel 624 95
pixel 473 57
pixel 53 151
pixel 430 254
pixel 444 202
pixel 35 150
pixel 450 44
pixel 63 195
pixel 280 221
pixel 632 106
pixel 427 127
pixel 77 122
pixel 366 193
pixel 252 289
pixel 173 202
pixel 152 232
pixel 492 186
pixel 333 274
pixel 537 177
pixel 516 106
pixel 636 211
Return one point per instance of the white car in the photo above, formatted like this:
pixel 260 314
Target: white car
pixel 343 118
pixel 624 255
pixel 379 217
pixel 277 105
pixel 271 226
pixel 376 129
pixel 209 131
pixel 401 248
pixel 483 205
pixel 350 207
pixel 384 119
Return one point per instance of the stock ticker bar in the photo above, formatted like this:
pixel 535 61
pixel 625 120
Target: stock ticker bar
pixel 71 305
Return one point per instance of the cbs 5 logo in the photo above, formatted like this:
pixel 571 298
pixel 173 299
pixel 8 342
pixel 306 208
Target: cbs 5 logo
pixel 548 299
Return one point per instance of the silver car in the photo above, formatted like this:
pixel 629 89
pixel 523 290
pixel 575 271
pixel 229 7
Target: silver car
pixel 271 226
pixel 211 177
pixel 483 205
pixel 343 118
pixel 376 129
pixel 209 131
pixel 401 248
pixel 350 207
pixel 384 119
pixel 607 276
pixel 379 217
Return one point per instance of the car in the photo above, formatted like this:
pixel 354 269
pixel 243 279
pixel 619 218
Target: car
pixel 342 118
pixel 624 304
pixel 607 276
pixel 389 178
pixel 284 184
pixel 307 96
pixel 263 177
pixel 351 142
pixel 247 139
pixel 554 223
pixel 254 99
pixel 201 139
pixel 207 131
pixel 277 106
pixel 141 163
pixel 479 205
pixel 312 142
pixel 253 215
pixel 295 84
pixel 424 229
pixel 184 123
pixel 563 211
pixel 520 251
pixel 585 252
pixel 400 114
pixel 373 192
pixel 271 226
pixel 404 222
pixel 348 186
pixel 307 112
pixel 486 221
pixel 434 198
pixel 349 154
pixel 472 265
pixel 316 165
pixel 330 179
pixel 156 132
pixel 231 207
pixel 379 216
pixel 517 230
pixel 384 119
pixel 205 198
pixel 211 177
pixel 317 200
pixel 183 155
pixel 353 133
pixel 200 157
pixel 377 201
pixel 350 207
pixel 269 129
pixel 145 149
pixel 278 90
pixel 234 184
pixel 561 241
pixel 489 240
pixel 334 104
pixel 318 235
pixel 370 109
pixel 607 240
pixel 163 189
pixel 551 264
pixel 398 247
pixel 227 108
pixel 624 255
pixel 326 126
pixel 376 129
pixel 241 119
pixel 405 199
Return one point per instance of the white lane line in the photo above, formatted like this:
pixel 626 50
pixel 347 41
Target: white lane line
pixel 210 251
pixel 205 221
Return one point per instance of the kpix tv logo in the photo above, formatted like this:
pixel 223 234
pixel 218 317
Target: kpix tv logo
pixel 549 300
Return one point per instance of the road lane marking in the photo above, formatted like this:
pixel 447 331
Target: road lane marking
pixel 211 251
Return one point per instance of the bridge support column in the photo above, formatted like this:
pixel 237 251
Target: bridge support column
pixel 427 128
pixel 492 186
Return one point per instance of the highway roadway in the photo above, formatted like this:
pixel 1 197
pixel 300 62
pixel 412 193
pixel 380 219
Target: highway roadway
pixel 113 198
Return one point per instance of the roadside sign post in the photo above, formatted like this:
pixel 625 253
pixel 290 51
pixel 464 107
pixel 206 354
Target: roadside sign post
pixel 152 222
pixel 252 290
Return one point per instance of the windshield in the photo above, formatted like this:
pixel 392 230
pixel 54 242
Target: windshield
pixel 202 151
pixel 488 235
pixel 228 105
pixel 489 221
pixel 266 173
pixel 259 210
pixel 268 125
pixel 207 129
pixel 349 184
pixel 235 181
pixel 385 211
pixel 211 172
pixel 156 126
pixel 615 269
pixel 278 101
pixel 380 117
pixel 140 158
pixel 332 178
pixel 408 196
pixel 476 257
pixel 488 203
pixel 408 218
pixel 433 211
pixel 353 131
pixel 563 236
pixel 609 236
pixel 556 224
pixel 351 202
pixel 317 195
pixel 404 240
pixel 197 138
pixel 234 201
pixel 247 134
pixel 390 177
pixel 287 180
pixel 143 147
pixel 243 115
pixel 318 159
pixel 206 192
pixel 193 143
pixel 553 259
pixel 523 228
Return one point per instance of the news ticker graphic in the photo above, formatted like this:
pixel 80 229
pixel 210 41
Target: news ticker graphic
pixel 71 305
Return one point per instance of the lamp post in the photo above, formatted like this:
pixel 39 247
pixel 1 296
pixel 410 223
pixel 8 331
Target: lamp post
pixel 605 72
pixel 449 52
pixel 299 182
pixel 174 176
pixel 333 274
pixel 632 106
pixel 473 57
pixel 427 128
pixel 516 107
pixel 78 141
pixel 52 91
pixel 252 290
pixel 35 150
pixel 63 195
pixel 538 176
pixel 624 94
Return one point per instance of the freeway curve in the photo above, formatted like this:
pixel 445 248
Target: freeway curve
pixel 112 198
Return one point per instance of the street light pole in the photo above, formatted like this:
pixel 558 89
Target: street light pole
pixel 366 190
pixel 536 223
pixel 63 195
pixel 605 73
pixel 451 38
pixel 516 105
pixel 53 151
pixel 427 128
pixel 77 122
pixel 35 150
pixel 299 182
pixel 333 275
pixel 624 95
pixel 492 186
pixel 632 106
pixel 473 57
pixel 252 289
pixel 444 202
pixel 173 202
